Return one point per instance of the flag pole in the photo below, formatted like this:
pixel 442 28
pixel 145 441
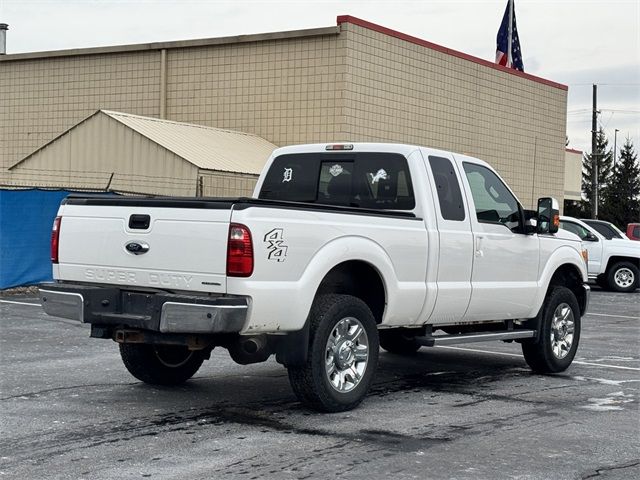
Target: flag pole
pixel 510 35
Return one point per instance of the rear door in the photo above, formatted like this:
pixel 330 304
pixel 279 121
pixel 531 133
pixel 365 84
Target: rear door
pixel 455 239
pixel 164 247
pixel 505 261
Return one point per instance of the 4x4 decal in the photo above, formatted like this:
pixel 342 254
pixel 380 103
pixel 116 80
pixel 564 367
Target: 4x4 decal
pixel 275 245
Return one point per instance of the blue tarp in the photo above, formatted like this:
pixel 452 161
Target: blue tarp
pixel 26 217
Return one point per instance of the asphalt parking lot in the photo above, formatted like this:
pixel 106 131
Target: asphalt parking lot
pixel 70 410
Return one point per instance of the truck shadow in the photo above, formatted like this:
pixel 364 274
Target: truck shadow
pixel 267 386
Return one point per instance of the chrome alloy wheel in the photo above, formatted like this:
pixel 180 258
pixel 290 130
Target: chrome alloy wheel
pixel 624 277
pixel 562 329
pixel 346 354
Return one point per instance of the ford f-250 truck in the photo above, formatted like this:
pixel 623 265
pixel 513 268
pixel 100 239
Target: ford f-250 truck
pixel 343 248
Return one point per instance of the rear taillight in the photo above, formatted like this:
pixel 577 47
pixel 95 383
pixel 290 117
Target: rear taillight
pixel 55 239
pixel 239 251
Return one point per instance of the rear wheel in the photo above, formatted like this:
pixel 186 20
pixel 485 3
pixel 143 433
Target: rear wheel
pixel 398 342
pixel 559 333
pixel 160 364
pixel 343 355
pixel 623 277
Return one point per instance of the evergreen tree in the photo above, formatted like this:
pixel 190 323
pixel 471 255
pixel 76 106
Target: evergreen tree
pixel 621 197
pixel 605 165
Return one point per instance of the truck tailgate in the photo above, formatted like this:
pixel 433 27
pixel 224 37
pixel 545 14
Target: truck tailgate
pixel 172 248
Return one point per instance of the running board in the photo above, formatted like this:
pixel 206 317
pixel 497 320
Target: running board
pixel 433 340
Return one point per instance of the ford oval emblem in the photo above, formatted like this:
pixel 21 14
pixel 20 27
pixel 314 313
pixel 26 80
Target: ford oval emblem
pixel 137 248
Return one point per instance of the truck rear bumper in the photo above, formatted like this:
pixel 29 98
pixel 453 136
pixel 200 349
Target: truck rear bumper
pixel 160 312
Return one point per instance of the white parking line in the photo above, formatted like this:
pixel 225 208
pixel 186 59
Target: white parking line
pixel 589 364
pixel 609 315
pixel 20 303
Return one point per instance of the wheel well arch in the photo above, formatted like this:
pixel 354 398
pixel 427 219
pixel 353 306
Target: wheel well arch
pixel 360 279
pixel 568 275
pixel 620 258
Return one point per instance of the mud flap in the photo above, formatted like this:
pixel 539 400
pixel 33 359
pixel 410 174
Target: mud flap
pixel 533 324
pixel 292 350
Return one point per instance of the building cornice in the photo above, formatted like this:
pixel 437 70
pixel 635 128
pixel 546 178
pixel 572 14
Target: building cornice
pixel 204 42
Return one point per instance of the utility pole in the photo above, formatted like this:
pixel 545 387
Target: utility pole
pixel 594 154
pixel 615 144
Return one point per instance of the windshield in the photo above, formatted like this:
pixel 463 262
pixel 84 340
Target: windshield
pixel 620 232
pixel 606 229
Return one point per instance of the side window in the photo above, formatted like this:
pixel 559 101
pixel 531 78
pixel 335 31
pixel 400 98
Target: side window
pixel 448 188
pixel 636 232
pixel 579 230
pixel 605 230
pixel 493 201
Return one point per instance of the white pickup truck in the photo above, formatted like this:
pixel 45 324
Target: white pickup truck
pixel 614 263
pixel 344 248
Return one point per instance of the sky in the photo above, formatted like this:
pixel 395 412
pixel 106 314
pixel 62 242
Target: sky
pixel 574 42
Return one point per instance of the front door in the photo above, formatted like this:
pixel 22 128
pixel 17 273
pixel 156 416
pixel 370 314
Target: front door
pixel 591 242
pixel 505 261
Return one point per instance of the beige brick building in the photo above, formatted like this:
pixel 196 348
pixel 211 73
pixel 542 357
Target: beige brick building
pixel 352 82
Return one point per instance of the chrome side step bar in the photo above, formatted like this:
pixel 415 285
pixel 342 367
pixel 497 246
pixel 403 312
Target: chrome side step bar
pixel 433 340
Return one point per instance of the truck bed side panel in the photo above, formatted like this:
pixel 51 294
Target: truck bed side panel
pixel 294 250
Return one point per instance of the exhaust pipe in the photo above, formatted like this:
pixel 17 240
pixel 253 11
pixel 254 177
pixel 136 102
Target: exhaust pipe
pixel 246 350
pixel 254 344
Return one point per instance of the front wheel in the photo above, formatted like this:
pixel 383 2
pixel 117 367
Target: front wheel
pixel 343 355
pixel 161 364
pixel 559 333
pixel 623 277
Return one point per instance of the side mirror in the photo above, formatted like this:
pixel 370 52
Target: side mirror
pixel 548 214
pixel 591 237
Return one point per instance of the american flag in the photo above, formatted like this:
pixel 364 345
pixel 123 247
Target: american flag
pixel 502 41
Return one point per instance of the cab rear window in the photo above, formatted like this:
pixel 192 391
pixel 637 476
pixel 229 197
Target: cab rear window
pixel 366 180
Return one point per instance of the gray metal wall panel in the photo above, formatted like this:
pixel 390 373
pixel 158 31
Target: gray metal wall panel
pixel 86 156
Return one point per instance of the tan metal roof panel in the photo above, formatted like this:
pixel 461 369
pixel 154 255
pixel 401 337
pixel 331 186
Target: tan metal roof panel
pixel 206 147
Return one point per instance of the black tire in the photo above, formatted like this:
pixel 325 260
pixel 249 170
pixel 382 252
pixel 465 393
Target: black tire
pixel 160 364
pixel 398 342
pixel 311 381
pixel 623 277
pixel 540 356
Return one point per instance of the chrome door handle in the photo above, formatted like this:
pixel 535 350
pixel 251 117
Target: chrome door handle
pixel 478 252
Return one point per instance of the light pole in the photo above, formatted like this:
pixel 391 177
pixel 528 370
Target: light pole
pixel 615 142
